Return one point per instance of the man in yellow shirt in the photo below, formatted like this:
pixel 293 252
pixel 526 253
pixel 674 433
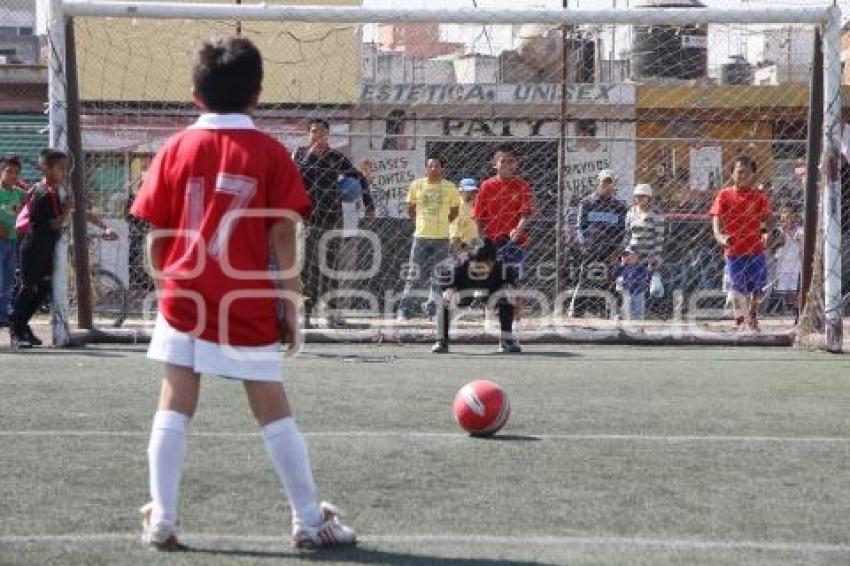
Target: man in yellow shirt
pixel 433 202
pixel 464 229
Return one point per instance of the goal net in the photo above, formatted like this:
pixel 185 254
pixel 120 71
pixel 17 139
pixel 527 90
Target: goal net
pixel 626 124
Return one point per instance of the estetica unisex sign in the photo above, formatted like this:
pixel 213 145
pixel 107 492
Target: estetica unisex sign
pixel 409 94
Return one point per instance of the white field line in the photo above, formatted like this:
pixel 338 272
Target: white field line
pixel 454 437
pixel 575 541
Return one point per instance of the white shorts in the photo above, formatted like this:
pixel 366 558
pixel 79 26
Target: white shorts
pixel 249 363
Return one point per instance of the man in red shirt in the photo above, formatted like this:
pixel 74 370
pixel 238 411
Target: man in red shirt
pixel 504 204
pixel 215 195
pixel 738 214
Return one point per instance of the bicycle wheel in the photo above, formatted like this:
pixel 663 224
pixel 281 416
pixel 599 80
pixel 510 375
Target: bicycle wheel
pixel 109 297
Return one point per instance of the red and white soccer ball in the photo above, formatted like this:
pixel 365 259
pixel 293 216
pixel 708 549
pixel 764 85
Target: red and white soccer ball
pixel 481 408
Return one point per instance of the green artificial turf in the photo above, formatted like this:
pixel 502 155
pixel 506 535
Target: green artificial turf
pixel 613 455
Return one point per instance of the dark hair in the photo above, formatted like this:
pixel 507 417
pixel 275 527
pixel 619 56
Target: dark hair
pixel 227 74
pixel 505 148
pixel 485 251
pixel 746 161
pixel 319 122
pixel 436 158
pixel 49 157
pixel 10 161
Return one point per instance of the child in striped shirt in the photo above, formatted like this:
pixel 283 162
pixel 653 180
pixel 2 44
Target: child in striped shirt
pixel 645 229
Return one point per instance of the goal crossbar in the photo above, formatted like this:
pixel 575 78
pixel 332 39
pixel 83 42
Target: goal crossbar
pixel 356 14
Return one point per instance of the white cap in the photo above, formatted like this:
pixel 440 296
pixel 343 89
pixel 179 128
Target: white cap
pixel 607 174
pixel 643 189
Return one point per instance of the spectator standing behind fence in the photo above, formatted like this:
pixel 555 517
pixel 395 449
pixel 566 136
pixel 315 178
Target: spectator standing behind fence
pixel 11 198
pixel 47 215
pixel 601 231
pixel 321 169
pixel 137 230
pixel 464 230
pixel 502 208
pixel 788 252
pixel 645 229
pixel 739 212
pixel 645 238
pixel 433 202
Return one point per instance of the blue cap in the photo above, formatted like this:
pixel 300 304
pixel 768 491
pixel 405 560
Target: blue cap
pixel 468 184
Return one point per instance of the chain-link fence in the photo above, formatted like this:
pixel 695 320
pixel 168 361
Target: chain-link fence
pixel 663 110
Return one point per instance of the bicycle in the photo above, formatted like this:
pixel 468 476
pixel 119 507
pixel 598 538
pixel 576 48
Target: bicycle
pixel 109 295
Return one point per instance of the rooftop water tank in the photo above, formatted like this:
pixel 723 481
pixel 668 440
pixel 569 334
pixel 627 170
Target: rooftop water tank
pixel 667 51
pixel 738 71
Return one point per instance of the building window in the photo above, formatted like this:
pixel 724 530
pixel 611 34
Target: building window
pixel 397 138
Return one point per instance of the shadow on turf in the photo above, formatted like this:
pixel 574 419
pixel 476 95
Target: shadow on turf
pixel 362 555
pixel 47 351
pixel 510 438
pixel 524 354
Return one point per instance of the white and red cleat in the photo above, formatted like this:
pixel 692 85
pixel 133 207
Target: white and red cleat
pixel 329 533
pixel 162 536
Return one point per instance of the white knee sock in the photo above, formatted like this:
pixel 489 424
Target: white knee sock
pixel 166 453
pixel 288 452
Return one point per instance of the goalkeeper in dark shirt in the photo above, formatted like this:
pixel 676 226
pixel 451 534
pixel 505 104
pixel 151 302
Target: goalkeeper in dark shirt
pixel 459 277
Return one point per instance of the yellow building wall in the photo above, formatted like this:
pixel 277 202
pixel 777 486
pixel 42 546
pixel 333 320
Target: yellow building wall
pixel 735 118
pixel 721 97
pixel 658 145
pixel 150 60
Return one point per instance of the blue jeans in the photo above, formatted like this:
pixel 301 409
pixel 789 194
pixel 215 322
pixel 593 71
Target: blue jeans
pixel 425 254
pixel 8 265
pixel 634 306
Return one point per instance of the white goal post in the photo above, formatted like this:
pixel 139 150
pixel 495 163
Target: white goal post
pixel 827 18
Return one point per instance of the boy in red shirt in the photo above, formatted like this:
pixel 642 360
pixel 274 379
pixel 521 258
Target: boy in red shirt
pixel 738 214
pixel 215 195
pixel 503 206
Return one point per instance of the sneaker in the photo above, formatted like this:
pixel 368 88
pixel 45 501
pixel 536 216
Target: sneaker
pixel 440 347
pixel 509 346
pixel 18 342
pixel 162 536
pixel 753 323
pixel 31 337
pixel 330 532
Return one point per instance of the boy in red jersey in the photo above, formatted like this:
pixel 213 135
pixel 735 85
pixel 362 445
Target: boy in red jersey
pixel 215 195
pixel 738 214
pixel 504 204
